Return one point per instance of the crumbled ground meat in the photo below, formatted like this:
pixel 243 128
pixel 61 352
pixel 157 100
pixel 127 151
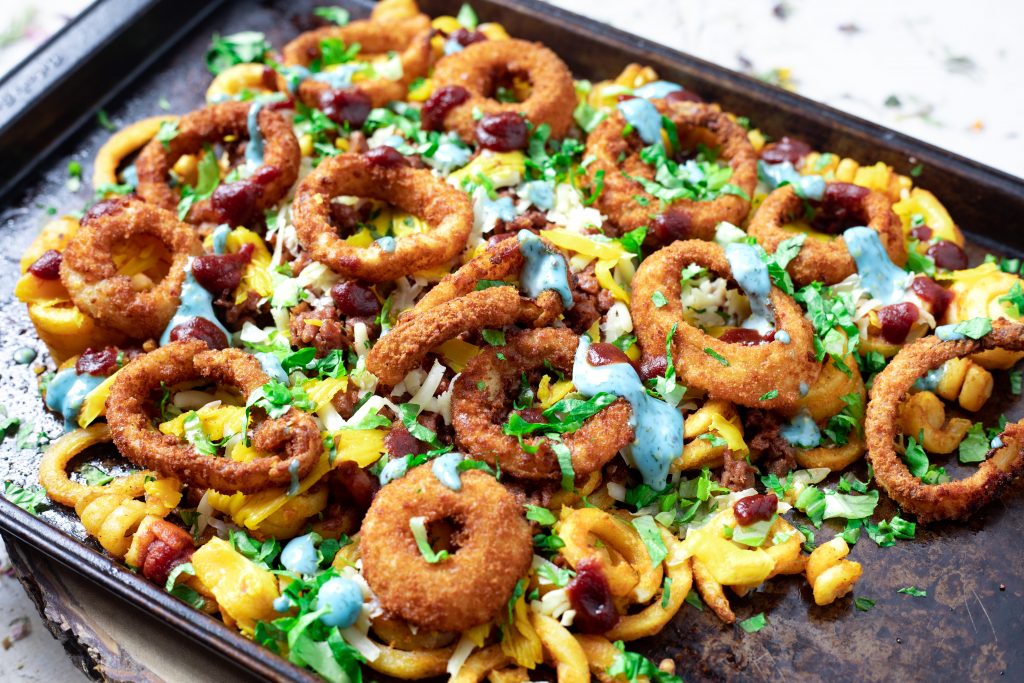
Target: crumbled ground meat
pixel 532 492
pixel 345 401
pixel 400 442
pixel 763 436
pixel 531 220
pixel 590 301
pixel 329 334
pixel 248 311
pixel 346 218
pixel 351 483
pixel 737 473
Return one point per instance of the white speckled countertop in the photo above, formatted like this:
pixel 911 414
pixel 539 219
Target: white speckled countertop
pixel 940 70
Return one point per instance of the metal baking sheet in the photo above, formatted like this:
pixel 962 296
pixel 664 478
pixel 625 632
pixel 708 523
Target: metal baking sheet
pixel 968 626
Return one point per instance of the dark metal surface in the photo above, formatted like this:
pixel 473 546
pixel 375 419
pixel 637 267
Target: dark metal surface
pixel 968 626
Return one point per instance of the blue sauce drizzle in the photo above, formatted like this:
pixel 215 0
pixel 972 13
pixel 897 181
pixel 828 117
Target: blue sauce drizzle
pixel 130 176
pixel 394 469
pixel 293 469
pixel 271 365
pixel 783 336
pixel 806 186
pixel 254 149
pixel 997 442
pixel 802 431
pixel 930 382
pixel 196 302
pixel 220 238
pixel 344 597
pixel 451 46
pixel 883 279
pixel 657 425
pixel 387 244
pixel 656 90
pixel 449 155
pixel 539 193
pixel 282 604
pixel 751 274
pixel 340 77
pixel 949 333
pixel 445 468
pixel 66 392
pixel 644 118
pixel 299 556
pixel 804 388
pixel 543 269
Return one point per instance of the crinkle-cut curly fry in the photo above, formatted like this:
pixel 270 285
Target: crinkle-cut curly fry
pixel 966 382
pixel 715 416
pixel 234 80
pixel 923 415
pixel 561 649
pixel 786 554
pixel 53 469
pixel 831 576
pixel 480 664
pixel 113 518
pixel 712 593
pixel 411 664
pixel 124 142
pixel 653 618
pixel 629 571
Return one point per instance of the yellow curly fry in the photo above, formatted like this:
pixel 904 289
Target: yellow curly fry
pixel 61 489
pixel 655 616
pixel 561 648
pixel 244 591
pixel 924 413
pixel 121 144
pixel 711 591
pixel 831 576
pixel 232 81
pixel 926 205
pixel 976 294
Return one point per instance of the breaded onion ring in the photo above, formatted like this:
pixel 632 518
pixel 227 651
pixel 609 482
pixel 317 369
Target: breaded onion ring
pixel 91 277
pixel 618 156
pixel 493 550
pixel 416 191
pixel 454 307
pixel 128 414
pixel 482 398
pixel 953 499
pixel 480 66
pixel 408 343
pixel 376 38
pixel 210 125
pixel 752 371
pixel 121 144
pixel 826 261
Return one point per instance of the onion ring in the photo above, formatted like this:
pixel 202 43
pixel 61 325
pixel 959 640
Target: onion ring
pixel 178 362
pixel 91 277
pixel 376 38
pixel 494 550
pixel 447 210
pixel 825 261
pixel 211 125
pixel 953 499
pixel 454 307
pixel 121 144
pixel 752 371
pixel 552 97
pixel 618 157
pixel 477 412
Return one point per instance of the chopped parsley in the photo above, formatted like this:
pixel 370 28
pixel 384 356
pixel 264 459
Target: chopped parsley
pixel 651 536
pixel 335 15
pixel 168 131
pixel 237 48
pixel 631 666
pixel 206 182
pixel 849 419
pixel 94 476
pixel 658 299
pixel 863 604
pixel 770 395
pixel 717 356
pixel 913 591
pixel 28 498
pixel 754 623
pixel 975 445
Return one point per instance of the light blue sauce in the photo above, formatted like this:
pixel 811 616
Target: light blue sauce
pixel 751 274
pixel 883 279
pixel 644 118
pixel 340 77
pixel 997 442
pixel 539 193
pixel 394 469
pixel 806 186
pixel 66 392
pixel 445 469
pixel 783 336
pixel 254 148
pixel 344 597
pixel 293 469
pixel 449 156
pixel 949 333
pixel 451 46
pixel 25 355
pixel 802 431
pixel 282 604
pixel 658 427
pixel 930 382
pixel 804 388
pixel 271 365
pixel 387 244
pixel 656 90
pixel 220 238
pixel 130 176
pixel 299 556
pixel 543 269
pixel 196 302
